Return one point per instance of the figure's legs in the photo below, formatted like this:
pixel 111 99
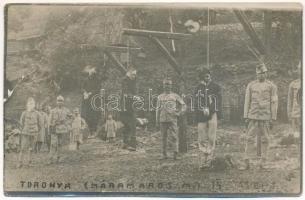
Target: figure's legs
pixel 251 127
pixel 296 126
pixel 173 138
pixel 212 128
pixel 265 129
pixel 23 147
pixel 53 147
pixel 163 129
pixel 202 143
pixel 125 133
pixel 132 133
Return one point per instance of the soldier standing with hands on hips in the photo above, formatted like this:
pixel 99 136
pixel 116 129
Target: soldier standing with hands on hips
pixel 260 110
pixel 169 107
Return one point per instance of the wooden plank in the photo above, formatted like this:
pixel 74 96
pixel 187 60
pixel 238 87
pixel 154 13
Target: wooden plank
pixel 167 54
pixel 267 30
pixel 117 63
pixel 158 34
pixel 250 31
pixel 122 49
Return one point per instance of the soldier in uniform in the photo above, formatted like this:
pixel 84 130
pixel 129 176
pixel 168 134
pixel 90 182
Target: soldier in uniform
pixel 293 104
pixel 30 123
pixel 169 107
pixel 59 128
pixel 260 110
pixel 128 115
pixel 43 131
pixel 208 111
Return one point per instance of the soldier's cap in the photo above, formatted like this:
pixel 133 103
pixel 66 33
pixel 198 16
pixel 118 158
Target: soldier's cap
pixel 60 98
pixel 31 100
pixel 167 81
pixel 261 68
pixel 203 72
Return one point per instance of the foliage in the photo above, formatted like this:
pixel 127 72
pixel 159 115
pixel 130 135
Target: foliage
pixel 71 34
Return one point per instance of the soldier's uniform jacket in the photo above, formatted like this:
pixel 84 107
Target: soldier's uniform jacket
pixel 261 100
pixel 293 106
pixel 167 106
pixel 30 122
pixel 214 101
pixel 59 120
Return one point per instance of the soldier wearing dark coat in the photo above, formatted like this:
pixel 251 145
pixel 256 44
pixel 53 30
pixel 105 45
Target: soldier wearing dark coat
pixel 91 88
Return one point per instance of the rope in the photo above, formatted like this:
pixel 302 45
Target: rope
pixel 172 30
pixel 208 40
pixel 128 52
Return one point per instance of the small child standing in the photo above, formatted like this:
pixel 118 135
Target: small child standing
pixel 110 128
pixel 78 124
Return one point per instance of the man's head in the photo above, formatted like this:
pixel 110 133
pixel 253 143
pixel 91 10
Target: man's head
pixel 167 85
pixel 205 75
pixel 76 111
pixel 131 73
pixel 30 105
pixel 261 72
pixel 60 101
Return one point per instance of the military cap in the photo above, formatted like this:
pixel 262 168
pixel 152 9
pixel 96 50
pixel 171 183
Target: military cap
pixel 60 98
pixel 167 80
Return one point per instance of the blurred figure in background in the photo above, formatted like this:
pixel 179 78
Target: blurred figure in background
pixel 110 128
pixel 294 103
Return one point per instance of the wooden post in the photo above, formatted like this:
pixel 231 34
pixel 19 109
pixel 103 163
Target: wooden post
pixel 155 36
pixel 241 16
pixel 167 54
pixel 267 30
pixel 158 34
pixel 116 62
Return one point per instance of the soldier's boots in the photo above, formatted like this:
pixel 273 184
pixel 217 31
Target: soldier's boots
pixel 131 148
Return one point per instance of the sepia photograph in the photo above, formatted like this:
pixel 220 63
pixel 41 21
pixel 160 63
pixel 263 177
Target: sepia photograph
pixel 153 99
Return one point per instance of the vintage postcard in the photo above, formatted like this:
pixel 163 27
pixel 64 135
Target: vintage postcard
pixel 186 99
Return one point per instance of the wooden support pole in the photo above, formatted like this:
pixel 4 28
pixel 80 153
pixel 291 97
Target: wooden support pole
pixel 250 31
pixel 167 54
pixel 267 30
pixel 122 49
pixel 117 63
pixel 158 34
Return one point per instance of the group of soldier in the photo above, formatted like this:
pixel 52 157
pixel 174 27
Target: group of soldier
pixel 50 126
pixel 260 111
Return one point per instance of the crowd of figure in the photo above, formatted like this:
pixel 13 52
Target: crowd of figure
pixel 260 111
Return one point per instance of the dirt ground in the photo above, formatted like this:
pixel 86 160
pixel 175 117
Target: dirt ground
pixel 104 167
